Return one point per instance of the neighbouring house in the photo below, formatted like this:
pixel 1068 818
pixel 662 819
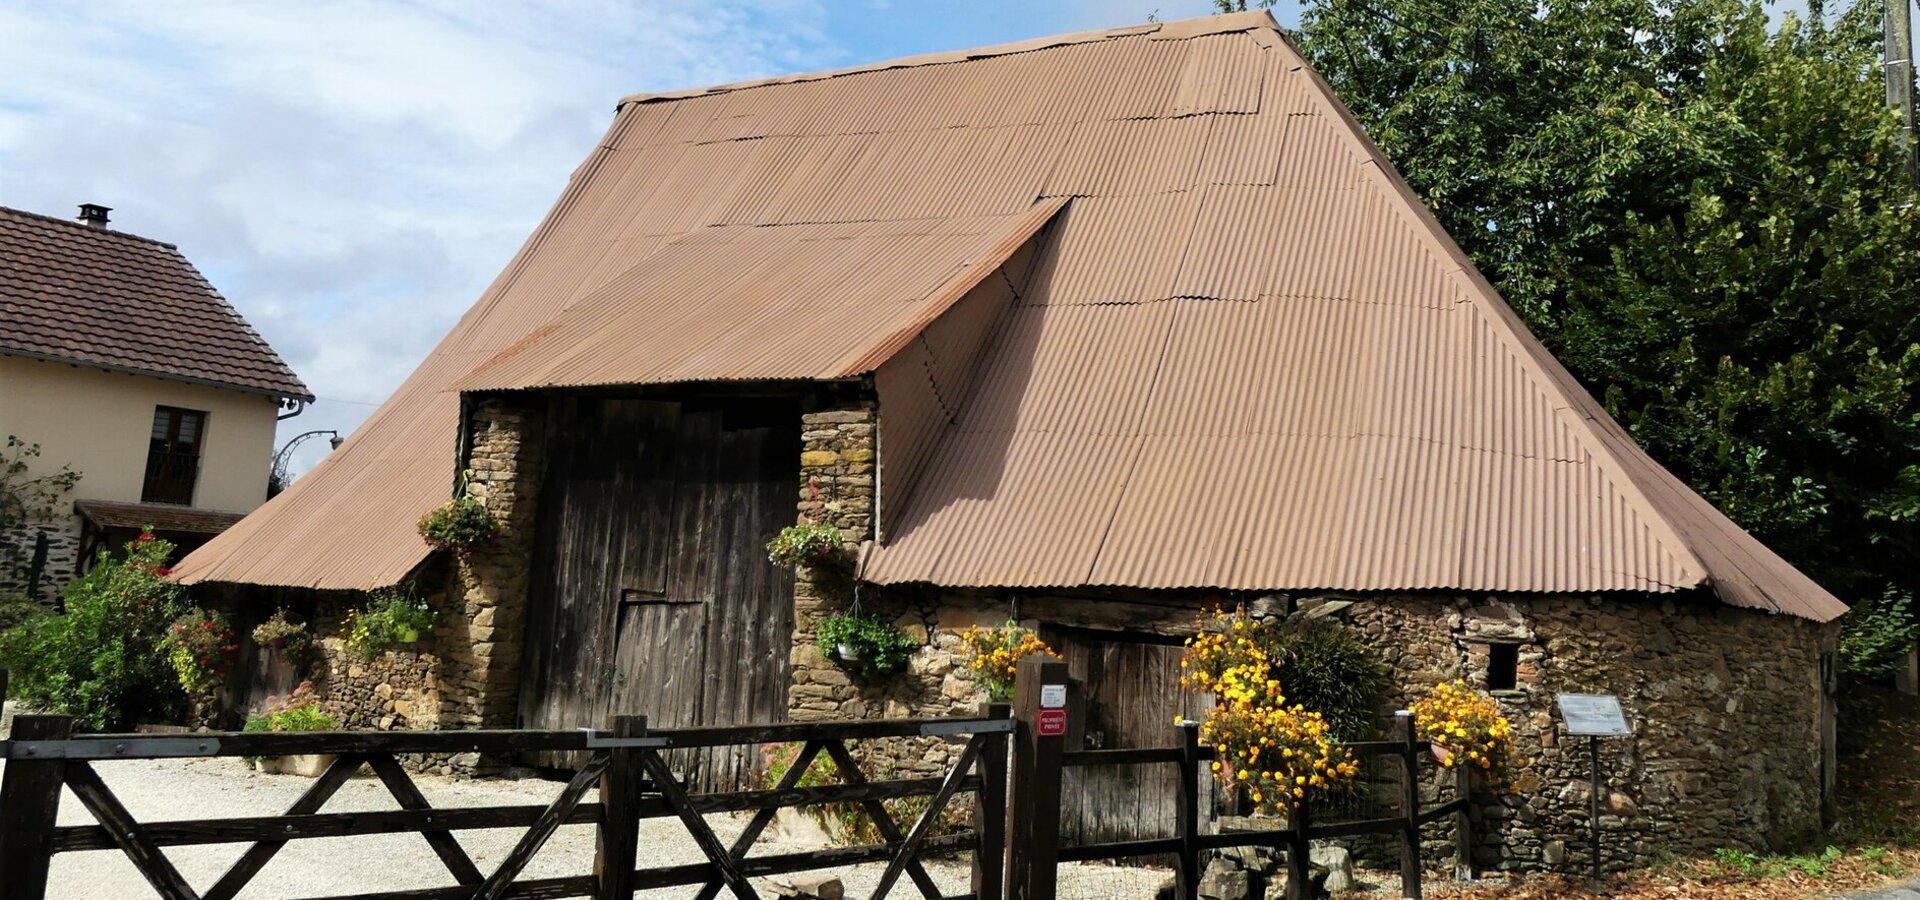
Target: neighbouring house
pixel 1094 332
pixel 118 359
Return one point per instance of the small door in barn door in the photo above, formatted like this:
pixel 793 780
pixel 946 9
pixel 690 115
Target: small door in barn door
pixel 651 591
pixel 1131 687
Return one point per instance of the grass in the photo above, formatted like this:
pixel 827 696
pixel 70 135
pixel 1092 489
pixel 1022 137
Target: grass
pixel 1875 842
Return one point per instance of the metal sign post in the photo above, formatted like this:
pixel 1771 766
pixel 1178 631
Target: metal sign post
pixel 1593 716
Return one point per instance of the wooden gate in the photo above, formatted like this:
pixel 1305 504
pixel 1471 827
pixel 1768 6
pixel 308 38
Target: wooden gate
pixel 651 588
pixel 1131 685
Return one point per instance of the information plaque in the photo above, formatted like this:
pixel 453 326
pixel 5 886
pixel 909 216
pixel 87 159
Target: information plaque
pixel 1593 715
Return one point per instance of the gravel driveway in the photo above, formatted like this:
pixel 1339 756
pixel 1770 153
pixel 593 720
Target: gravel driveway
pixel 156 790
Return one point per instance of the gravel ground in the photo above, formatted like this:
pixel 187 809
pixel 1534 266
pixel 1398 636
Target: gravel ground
pixel 156 790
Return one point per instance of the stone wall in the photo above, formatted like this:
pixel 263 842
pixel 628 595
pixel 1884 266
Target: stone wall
pixel 63 557
pixel 1726 705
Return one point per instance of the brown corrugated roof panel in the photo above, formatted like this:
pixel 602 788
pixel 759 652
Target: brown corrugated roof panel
pixel 1242 357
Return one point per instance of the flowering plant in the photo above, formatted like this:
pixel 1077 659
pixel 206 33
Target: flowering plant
pixel 1282 753
pixel 299 710
pixel 200 647
pixel 808 543
pixel 392 616
pixel 460 525
pixel 994 655
pixel 290 638
pixel 1467 726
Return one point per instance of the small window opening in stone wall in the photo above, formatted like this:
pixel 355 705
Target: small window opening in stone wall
pixel 1503 666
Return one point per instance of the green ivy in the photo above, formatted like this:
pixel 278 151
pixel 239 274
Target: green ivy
pixel 881 648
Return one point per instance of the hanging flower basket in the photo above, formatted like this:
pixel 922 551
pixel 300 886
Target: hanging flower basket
pixel 867 644
pixel 460 525
pixel 809 544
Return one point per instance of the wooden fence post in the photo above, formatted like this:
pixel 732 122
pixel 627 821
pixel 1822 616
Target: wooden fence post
pixel 1033 821
pixel 1187 876
pixel 617 838
pixel 1463 824
pixel 990 811
pixel 29 801
pixel 1299 853
pixel 1409 806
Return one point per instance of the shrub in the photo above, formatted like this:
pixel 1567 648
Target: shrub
pixel 804 544
pixel 460 525
pixel 392 617
pixel 1329 670
pixel 879 648
pixel 16 609
pixel 96 661
pixel 26 497
pixel 994 655
pixel 289 638
pixel 1876 635
pixel 200 646
pixel 1318 664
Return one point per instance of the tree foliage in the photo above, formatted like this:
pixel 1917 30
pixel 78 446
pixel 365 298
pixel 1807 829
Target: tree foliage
pixel 1704 217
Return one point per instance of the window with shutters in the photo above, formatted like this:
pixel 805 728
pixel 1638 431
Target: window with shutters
pixel 173 455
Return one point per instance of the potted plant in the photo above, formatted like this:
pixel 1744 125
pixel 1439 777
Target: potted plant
pixel 287 638
pixel 808 544
pixel 460 525
pixel 393 617
pixel 865 643
pixel 298 711
pixel 1465 727
pixel 994 655
pixel 200 647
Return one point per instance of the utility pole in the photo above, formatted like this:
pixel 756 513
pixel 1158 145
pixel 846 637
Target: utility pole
pixel 1899 65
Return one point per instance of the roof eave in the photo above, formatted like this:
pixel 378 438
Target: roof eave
pixel 303 395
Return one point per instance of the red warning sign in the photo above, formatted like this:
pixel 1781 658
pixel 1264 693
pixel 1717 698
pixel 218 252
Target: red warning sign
pixel 1051 723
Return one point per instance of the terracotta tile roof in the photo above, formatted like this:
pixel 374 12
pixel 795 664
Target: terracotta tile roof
pixel 162 517
pixel 1242 355
pixel 93 296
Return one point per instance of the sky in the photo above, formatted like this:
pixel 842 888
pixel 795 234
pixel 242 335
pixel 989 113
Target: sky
pixel 352 175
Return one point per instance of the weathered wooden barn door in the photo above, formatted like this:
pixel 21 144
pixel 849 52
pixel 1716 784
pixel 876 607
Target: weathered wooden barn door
pixel 1132 694
pixel 651 592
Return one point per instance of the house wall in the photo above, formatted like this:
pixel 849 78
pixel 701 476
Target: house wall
pixel 100 423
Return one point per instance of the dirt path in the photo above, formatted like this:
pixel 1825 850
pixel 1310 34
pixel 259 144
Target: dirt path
pixel 157 790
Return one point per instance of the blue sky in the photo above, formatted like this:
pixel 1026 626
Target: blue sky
pixel 352 175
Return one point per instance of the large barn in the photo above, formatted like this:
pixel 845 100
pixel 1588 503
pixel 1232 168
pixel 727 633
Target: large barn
pixel 1094 331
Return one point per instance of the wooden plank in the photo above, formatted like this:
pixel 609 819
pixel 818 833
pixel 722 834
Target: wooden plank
pixel 30 801
pixel 337 743
pixel 444 844
pixel 1351 827
pixel 764 816
pixel 496 885
pixel 322 825
pixel 1463 823
pixel 1299 824
pixel 990 812
pixel 918 833
pixel 842 730
pixel 737 801
pixel 787 863
pixel 1409 806
pixel 1134 756
pixel 697 827
pixel 531 889
pixel 1451 807
pixel 1119 849
pixel 617 840
pixel 850 773
pixel 127 833
pixel 1187 872
pixel 257 856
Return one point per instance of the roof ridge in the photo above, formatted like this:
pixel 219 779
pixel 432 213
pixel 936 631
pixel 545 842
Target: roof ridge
pixel 1178 29
pixel 88 229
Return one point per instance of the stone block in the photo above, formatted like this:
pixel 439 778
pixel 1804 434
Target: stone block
pixel 818 459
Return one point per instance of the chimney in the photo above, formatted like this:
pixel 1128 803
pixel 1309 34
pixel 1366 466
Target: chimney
pixel 94 215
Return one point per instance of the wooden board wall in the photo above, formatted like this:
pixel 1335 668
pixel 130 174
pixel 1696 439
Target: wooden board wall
pixel 651 589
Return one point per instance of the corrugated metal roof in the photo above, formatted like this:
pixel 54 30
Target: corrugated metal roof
pixel 1244 356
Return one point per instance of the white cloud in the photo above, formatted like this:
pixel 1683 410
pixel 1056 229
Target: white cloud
pixel 350 176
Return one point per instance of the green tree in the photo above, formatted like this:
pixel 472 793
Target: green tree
pixel 1705 218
